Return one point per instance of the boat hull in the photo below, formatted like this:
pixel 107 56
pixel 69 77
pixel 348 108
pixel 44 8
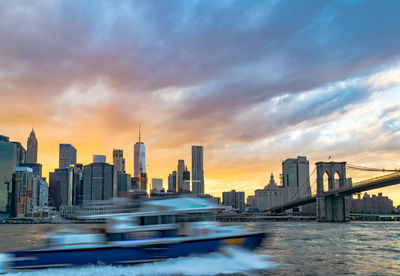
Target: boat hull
pixel 128 255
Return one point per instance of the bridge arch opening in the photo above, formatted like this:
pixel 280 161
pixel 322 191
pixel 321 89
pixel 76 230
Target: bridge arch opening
pixel 336 180
pixel 326 181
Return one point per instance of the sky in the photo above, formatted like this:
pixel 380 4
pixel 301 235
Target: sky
pixel 254 82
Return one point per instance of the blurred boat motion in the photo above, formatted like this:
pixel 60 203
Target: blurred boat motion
pixel 157 230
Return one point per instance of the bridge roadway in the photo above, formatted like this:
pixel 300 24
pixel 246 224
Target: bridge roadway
pixel 370 184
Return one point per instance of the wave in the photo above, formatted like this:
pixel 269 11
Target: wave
pixel 232 260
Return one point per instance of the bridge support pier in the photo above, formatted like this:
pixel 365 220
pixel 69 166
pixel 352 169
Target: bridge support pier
pixel 332 208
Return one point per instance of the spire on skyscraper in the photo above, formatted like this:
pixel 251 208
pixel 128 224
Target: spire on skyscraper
pixel 139 132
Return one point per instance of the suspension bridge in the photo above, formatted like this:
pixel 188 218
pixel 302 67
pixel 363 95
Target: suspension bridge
pixel 333 196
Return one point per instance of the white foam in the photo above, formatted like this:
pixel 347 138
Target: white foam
pixel 233 260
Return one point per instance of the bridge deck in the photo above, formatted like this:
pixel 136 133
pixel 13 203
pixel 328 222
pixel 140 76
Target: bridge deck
pixel 369 184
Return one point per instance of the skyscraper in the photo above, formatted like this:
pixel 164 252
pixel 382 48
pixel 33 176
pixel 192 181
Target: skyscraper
pixel 179 175
pixel 63 186
pixel 32 148
pixel 67 156
pixel 186 180
pixel 139 157
pixel 8 155
pixel 197 170
pixel 97 181
pixel 172 182
pixel 295 176
pixel 119 168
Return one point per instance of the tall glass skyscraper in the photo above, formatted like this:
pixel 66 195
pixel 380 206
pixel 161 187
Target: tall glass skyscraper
pixel 139 157
pixel 197 170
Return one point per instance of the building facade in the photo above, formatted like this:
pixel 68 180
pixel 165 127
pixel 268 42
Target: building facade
pixel 64 187
pixel 22 192
pixel 295 177
pixel 272 195
pixel 67 156
pixel 119 168
pixel 172 182
pixel 8 164
pixel 21 153
pixel 234 199
pixel 157 184
pixel 179 175
pixel 97 182
pixel 197 170
pixel 124 184
pixel 186 181
pixel 375 204
pixel 139 158
pixel 32 148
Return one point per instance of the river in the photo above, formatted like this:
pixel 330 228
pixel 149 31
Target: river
pixel 296 248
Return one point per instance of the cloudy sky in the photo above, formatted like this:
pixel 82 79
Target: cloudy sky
pixel 254 82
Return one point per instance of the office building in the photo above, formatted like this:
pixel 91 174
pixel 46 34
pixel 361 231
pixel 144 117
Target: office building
pixel 186 181
pixel 123 184
pixel 97 158
pixel 197 170
pixel 8 164
pixel 119 168
pixel 67 156
pixel 156 184
pixel 36 167
pixel 295 177
pixel 32 148
pixel 143 182
pixel 272 195
pixel 234 199
pixel 21 153
pixel 64 187
pixel 135 184
pixel 179 176
pixel 172 182
pixel 97 181
pixel 139 158
pixel 22 191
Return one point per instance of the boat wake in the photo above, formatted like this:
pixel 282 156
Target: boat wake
pixel 232 260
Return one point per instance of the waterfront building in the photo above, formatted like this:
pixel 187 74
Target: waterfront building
pixel 139 158
pixel 22 191
pixel 8 164
pixel 179 176
pixel 272 195
pixel 97 181
pixel 197 170
pixel 234 199
pixel 67 156
pixel 123 184
pixel 64 187
pixel 295 178
pixel 32 148
pixel 172 182
pixel 156 184
pixel 119 168
pixel 21 153
pixel 375 204
pixel 97 158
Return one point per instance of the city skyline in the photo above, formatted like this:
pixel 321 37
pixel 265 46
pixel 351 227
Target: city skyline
pixel 251 86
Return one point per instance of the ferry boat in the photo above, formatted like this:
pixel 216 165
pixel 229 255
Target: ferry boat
pixel 159 230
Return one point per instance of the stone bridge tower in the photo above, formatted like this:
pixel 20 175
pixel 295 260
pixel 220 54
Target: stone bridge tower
pixel 332 207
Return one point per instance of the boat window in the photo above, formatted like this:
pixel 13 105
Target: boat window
pixel 167 219
pixel 150 220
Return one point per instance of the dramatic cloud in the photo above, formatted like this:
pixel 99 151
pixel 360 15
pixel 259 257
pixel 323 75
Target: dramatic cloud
pixel 255 82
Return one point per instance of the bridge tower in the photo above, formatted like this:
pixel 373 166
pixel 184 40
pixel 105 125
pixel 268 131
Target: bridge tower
pixel 331 207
